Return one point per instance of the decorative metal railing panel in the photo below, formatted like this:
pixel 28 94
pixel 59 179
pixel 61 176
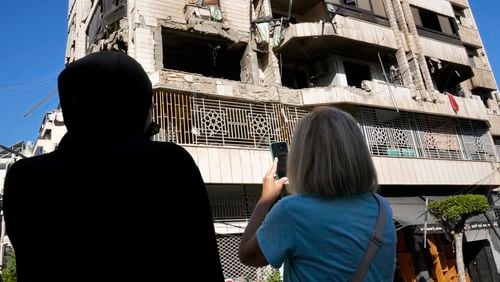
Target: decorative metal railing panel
pixel 437 137
pixel 477 142
pixel 232 202
pixel 403 134
pixel 231 265
pixel 388 133
pixel 187 119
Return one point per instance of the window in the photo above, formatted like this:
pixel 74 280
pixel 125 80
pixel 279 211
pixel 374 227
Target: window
pixel 356 73
pixel 471 53
pixel 109 6
pixel 430 20
pixel 39 151
pixel 459 14
pixel 212 56
pixel 374 6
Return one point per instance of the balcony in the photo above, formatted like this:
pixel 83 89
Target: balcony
pixel 389 96
pixel 494 120
pixel 469 36
pixel 460 3
pixel 483 79
pixel 347 35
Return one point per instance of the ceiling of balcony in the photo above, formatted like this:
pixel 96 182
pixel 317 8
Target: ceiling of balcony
pixel 310 47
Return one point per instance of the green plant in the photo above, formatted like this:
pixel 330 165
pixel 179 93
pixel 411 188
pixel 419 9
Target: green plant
pixel 273 275
pixel 9 273
pixel 454 210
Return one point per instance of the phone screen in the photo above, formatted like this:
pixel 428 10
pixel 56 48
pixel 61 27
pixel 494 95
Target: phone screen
pixel 280 151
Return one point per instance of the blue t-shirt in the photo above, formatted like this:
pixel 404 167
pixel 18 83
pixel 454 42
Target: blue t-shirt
pixel 325 240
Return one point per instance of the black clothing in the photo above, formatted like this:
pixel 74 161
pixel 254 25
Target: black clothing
pixel 110 207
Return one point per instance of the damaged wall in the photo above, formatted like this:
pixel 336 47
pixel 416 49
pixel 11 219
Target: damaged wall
pixel 187 82
pixel 152 12
pixel 77 25
pixel 444 51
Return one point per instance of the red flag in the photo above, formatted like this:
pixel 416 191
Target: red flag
pixel 453 103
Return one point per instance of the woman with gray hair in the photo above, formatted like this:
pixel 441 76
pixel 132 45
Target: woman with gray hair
pixel 322 232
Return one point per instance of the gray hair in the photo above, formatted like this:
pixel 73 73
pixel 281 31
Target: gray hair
pixel 329 156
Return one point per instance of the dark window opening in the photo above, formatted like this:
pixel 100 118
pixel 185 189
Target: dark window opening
pixel 448 76
pixel 483 94
pixel 429 20
pixel 356 73
pixel 299 74
pixel 38 151
pixel 471 54
pixel 434 22
pixel 295 76
pixel 47 134
pixel 211 56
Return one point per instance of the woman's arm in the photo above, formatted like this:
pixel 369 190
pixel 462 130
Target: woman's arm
pixel 249 250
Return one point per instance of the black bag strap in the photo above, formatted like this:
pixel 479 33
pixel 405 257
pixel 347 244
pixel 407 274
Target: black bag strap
pixel 375 242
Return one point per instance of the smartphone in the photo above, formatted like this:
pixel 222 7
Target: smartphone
pixel 280 150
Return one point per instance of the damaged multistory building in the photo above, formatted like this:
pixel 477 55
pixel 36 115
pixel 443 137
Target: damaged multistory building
pixel 232 76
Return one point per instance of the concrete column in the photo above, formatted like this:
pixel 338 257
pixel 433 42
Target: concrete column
pixel 410 57
pixel 404 67
pixel 420 56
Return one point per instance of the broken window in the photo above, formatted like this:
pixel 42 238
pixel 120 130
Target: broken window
pixel 430 20
pixel 212 56
pixel 295 75
pixel 304 73
pixel 356 73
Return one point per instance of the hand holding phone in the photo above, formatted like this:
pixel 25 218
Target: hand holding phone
pixel 280 150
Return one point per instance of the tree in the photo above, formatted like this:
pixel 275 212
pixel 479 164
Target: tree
pixel 9 273
pixel 452 213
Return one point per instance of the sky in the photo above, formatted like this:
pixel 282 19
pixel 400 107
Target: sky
pixel 32 49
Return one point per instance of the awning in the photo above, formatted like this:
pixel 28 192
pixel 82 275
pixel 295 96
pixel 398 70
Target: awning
pixel 409 210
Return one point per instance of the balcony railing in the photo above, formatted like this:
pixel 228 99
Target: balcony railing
pixel 187 119
pixel 190 119
pixel 405 134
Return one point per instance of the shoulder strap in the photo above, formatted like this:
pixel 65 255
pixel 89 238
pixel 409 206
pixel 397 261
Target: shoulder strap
pixel 375 242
